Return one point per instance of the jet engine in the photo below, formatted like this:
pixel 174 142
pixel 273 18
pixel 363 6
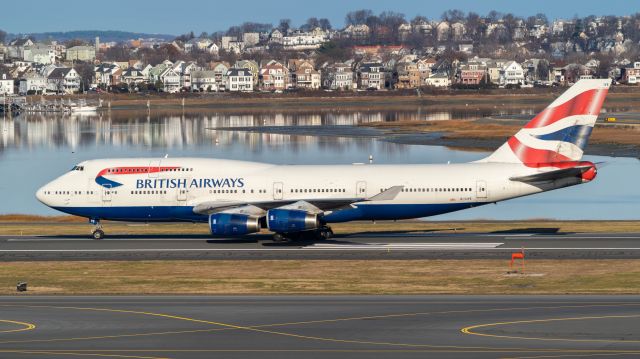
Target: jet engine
pixel 231 224
pixel 287 220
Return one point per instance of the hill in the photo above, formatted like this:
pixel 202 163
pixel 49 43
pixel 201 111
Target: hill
pixel 90 35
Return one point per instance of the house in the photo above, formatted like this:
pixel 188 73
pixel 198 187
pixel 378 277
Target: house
pixel 171 80
pixel 252 66
pixel 197 44
pixel 6 85
pixel 213 49
pixel 458 31
pixel 81 53
pixel 472 73
pixel 304 40
pixel 251 38
pixel 360 31
pixel 408 75
pixel 239 80
pixel 39 54
pixel 512 74
pixel 274 76
pixel 203 80
pixel 338 76
pixel 16 47
pixel 442 31
pixel 425 66
pixel 304 75
pixel 631 73
pixel 276 37
pixel 466 48
pixel 63 80
pixel 220 70
pixel 32 83
pixel 134 76
pixel 371 75
pixel 107 74
pixel 438 79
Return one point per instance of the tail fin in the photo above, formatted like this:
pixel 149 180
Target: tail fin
pixel 560 132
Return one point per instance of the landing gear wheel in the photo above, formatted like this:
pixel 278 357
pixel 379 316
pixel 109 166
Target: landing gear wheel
pixel 325 233
pixel 97 234
pixel 280 238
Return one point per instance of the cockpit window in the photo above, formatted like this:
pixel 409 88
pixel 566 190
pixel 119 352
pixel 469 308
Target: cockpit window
pixel 78 168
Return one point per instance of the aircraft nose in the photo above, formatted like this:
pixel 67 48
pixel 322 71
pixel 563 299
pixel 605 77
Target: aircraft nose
pixel 40 195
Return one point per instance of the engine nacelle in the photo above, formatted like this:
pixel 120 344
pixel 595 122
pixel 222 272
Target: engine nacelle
pixel 231 224
pixel 287 220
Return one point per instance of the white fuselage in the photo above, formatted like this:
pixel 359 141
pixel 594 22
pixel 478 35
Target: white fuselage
pixel 152 189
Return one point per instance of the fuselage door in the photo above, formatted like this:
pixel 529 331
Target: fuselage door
pixel 106 195
pixel 361 189
pixel 183 192
pixel 277 190
pixel 481 189
pixel 154 168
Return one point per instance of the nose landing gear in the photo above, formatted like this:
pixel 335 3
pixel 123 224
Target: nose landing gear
pixel 97 232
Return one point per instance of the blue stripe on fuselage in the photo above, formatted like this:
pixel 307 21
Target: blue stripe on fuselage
pixel 185 213
pixel 578 135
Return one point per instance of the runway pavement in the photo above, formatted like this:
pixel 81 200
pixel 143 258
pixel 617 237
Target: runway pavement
pixel 320 327
pixel 357 246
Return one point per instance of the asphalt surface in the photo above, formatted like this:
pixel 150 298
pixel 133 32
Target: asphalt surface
pixel 320 327
pixel 357 246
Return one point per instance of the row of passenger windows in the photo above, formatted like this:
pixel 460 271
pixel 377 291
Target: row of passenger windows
pixel 150 192
pixel 67 192
pixel 457 189
pixel 216 191
pixel 318 190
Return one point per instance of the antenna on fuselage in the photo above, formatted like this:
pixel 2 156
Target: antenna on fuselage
pixel 166 155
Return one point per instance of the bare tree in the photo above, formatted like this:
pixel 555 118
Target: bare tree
pixel 3 36
pixel 358 17
pixel 285 25
pixel 325 24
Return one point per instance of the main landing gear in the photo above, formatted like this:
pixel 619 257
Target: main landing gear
pixel 320 234
pixel 97 232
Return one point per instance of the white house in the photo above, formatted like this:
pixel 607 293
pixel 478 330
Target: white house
pixel 40 54
pixel 239 80
pixel 63 80
pixel 6 85
pixel 512 74
pixel 438 80
pixel 32 83
pixel 204 80
pixel 171 80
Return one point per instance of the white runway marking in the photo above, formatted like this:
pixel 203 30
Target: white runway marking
pixel 402 246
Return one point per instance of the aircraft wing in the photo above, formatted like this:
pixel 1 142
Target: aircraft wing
pixel 310 204
pixel 553 175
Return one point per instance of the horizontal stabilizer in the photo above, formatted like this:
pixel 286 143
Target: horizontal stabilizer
pixel 553 175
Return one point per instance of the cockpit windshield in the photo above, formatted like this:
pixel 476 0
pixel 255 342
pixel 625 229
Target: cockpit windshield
pixel 78 168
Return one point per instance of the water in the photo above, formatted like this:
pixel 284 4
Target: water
pixel 36 149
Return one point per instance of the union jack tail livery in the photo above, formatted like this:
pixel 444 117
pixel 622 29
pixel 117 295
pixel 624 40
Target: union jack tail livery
pixel 556 137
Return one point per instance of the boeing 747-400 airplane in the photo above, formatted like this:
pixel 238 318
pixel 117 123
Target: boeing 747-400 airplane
pixel 237 198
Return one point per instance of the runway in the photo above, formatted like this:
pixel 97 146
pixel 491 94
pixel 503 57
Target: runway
pixel 357 246
pixel 320 327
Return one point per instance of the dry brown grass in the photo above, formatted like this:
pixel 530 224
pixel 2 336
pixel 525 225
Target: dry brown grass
pixel 324 277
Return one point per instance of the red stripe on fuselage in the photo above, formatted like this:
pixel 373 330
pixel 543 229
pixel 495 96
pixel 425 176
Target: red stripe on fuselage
pixel 134 170
pixel 586 103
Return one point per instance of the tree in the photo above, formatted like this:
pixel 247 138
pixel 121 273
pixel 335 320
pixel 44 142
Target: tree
pixel 284 25
pixel 204 35
pixel 453 15
pixel 358 17
pixel 85 71
pixel 3 36
pixel 325 24
pixel 311 24
pixel 475 26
